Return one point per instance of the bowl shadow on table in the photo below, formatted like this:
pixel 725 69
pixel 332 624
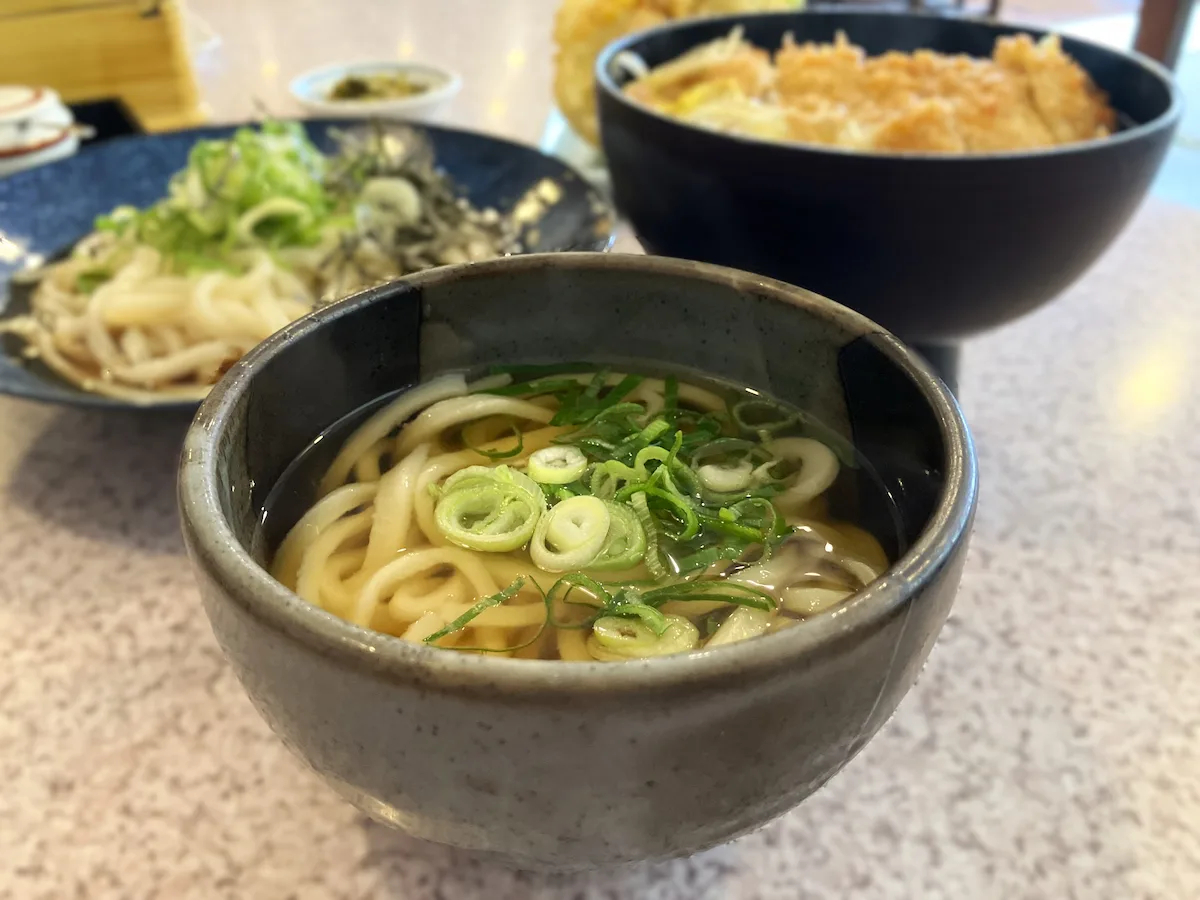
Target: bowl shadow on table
pixel 410 867
pixel 107 476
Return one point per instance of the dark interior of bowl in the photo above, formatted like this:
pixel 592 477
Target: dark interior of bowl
pixel 46 210
pixel 628 312
pixel 933 247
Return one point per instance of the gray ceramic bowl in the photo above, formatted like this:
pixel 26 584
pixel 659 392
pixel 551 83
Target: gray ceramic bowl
pixel 569 765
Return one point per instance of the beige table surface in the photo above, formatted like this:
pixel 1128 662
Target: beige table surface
pixel 1051 748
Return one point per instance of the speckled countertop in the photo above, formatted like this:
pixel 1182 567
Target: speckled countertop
pixel 1051 748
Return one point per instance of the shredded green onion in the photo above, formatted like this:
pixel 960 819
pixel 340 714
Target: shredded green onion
pixel 723 591
pixel 679 507
pixel 702 559
pixel 486 603
pixel 601 595
pixel 501 454
pixel 653 562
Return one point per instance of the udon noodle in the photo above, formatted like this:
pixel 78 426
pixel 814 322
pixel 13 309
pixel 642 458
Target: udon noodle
pixel 579 516
pixel 255 232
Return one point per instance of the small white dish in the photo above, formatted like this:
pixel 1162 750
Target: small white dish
pixel 312 91
pixel 35 128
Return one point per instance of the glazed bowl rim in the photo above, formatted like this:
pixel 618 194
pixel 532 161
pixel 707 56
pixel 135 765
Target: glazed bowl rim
pixel 217 552
pixel 605 83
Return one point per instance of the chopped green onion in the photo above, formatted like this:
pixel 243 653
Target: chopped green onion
pixel 560 464
pixel 622 389
pixel 615 638
pixel 678 505
pixel 596 384
pixel 726 479
pixel 762 416
pixel 625 544
pixel 759 512
pixel 501 454
pixel 578 580
pixel 654 563
pixel 648 434
pixel 702 559
pixel 594 447
pixel 570 535
pixel 670 392
pixel 489 509
pixel 486 603
pixel 731 528
pixel 720 591
pixel 537 388
pixel 727 446
pixel 578 408
pixel 606 477
pixel 86 282
pixel 655 620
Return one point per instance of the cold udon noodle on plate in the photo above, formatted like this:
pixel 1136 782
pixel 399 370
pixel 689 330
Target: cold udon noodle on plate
pixel 575 516
pixel 254 232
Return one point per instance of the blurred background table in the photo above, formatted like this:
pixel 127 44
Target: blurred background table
pixel 1050 749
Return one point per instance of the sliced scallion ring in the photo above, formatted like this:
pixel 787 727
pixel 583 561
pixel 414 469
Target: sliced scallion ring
pixel 726 479
pixel 624 545
pixel 616 638
pixel 762 417
pixel 489 509
pixel 560 464
pixel 609 477
pixel 569 536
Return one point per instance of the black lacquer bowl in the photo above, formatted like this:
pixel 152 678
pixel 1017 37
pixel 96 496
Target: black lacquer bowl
pixel 933 247
pixel 44 211
pixel 574 764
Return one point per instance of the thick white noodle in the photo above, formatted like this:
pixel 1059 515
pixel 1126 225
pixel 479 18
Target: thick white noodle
pixel 394 509
pixel 818 470
pixel 323 514
pixel 383 422
pixel 448 413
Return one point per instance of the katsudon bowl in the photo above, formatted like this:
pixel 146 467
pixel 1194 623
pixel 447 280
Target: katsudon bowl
pixel 570 764
pixel 934 247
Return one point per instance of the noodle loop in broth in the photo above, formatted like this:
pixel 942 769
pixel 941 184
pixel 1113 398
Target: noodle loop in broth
pixel 577 516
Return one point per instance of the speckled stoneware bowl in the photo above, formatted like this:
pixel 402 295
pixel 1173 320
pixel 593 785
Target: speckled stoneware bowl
pixel 566 764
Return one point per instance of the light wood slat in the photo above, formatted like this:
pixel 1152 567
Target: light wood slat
pixel 113 50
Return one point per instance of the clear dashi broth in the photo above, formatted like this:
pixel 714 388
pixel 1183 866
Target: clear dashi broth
pixel 577 514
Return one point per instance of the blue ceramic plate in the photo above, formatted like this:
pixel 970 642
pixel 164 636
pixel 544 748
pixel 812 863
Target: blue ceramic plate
pixel 44 211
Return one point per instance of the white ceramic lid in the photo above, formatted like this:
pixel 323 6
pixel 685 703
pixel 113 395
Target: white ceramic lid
pixel 31 119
